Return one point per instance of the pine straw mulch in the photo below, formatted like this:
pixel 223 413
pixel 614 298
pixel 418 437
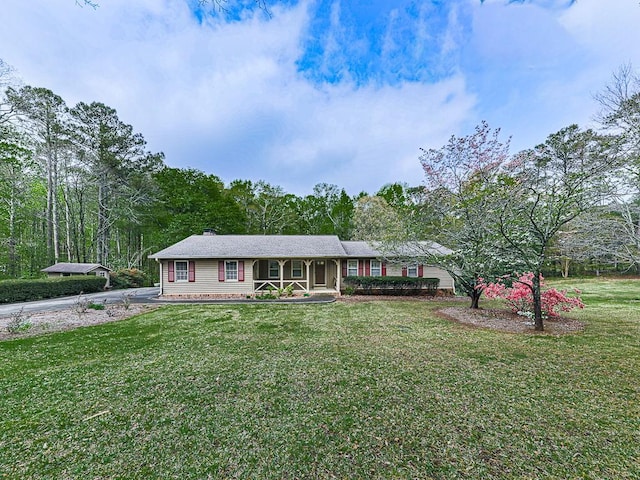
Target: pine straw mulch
pixel 507 321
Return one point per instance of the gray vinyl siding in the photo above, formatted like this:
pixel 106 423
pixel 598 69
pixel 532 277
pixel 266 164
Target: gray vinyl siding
pixel 207 281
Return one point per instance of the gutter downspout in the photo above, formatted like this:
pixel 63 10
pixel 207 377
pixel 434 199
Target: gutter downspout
pixel 161 284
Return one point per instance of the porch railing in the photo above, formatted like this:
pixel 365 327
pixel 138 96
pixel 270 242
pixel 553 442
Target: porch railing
pixel 259 285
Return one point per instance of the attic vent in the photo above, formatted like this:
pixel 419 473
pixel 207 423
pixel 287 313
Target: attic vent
pixel 209 231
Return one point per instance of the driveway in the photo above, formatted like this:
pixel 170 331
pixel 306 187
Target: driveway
pixel 138 295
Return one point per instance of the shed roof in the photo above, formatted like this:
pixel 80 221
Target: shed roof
pixel 254 246
pixel 78 268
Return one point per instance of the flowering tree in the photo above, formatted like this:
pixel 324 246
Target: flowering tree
pixel 519 296
pixel 545 189
pixel 459 190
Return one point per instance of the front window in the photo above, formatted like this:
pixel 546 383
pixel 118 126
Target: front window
pixel 296 268
pixel 231 270
pixel 352 268
pixel 412 270
pixel 274 269
pixel 182 272
pixel 376 268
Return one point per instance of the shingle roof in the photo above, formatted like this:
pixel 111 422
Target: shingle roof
pixel 359 249
pixel 254 246
pixel 371 249
pixel 79 268
pixel 283 246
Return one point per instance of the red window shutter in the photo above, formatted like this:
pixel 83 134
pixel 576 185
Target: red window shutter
pixel 192 271
pixel 404 271
pixel 221 270
pixel 170 272
pixel 241 271
pixel 384 269
pixel 344 268
pixel 360 268
pixel 367 268
pixel 420 271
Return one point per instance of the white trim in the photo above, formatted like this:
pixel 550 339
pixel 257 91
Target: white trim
pixel 379 268
pixel 301 270
pixel 186 271
pixel 277 265
pixel 349 268
pixel 226 271
pixel 411 267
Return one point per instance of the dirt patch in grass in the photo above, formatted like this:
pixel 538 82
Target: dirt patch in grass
pixel 59 320
pixel 506 321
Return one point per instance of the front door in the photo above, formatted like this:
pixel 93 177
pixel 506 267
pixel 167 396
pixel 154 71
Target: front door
pixel 321 272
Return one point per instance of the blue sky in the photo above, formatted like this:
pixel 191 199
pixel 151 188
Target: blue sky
pixel 342 92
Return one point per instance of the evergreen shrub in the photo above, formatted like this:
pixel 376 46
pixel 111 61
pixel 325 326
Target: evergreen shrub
pixel 391 285
pixel 129 278
pixel 25 290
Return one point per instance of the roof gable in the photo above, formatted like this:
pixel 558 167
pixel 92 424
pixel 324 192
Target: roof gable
pixel 79 268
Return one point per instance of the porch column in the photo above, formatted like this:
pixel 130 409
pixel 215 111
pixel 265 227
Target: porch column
pixel 308 264
pixel 255 275
pixel 281 263
pixel 338 274
pixel 161 282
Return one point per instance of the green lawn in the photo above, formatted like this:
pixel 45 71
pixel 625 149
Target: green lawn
pixel 369 390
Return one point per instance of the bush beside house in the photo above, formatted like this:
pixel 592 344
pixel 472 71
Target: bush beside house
pixel 390 285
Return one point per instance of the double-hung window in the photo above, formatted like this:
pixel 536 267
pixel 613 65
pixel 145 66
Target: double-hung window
pixel 352 268
pixel 376 268
pixel 182 271
pixel 412 270
pixel 274 269
pixel 231 270
pixel 296 268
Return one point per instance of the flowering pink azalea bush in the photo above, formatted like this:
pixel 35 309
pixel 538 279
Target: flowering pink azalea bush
pixel 520 296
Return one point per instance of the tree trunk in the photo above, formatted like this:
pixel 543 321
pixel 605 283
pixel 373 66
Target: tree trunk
pixel 475 294
pixel 565 267
pixel 12 267
pixel 49 212
pixel 71 239
pixel 54 212
pixel 537 302
pixel 103 233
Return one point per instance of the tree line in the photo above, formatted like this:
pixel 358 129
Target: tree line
pixel 78 184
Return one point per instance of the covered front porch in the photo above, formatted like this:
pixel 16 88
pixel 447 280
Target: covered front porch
pixel 303 275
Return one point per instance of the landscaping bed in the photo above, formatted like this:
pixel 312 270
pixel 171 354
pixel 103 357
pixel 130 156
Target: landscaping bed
pixel 506 321
pixel 59 320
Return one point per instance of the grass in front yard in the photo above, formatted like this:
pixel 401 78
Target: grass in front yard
pixel 346 390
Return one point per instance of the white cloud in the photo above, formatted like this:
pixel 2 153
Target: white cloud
pixel 227 98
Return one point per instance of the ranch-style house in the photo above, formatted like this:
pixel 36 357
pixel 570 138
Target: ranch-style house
pixel 211 265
